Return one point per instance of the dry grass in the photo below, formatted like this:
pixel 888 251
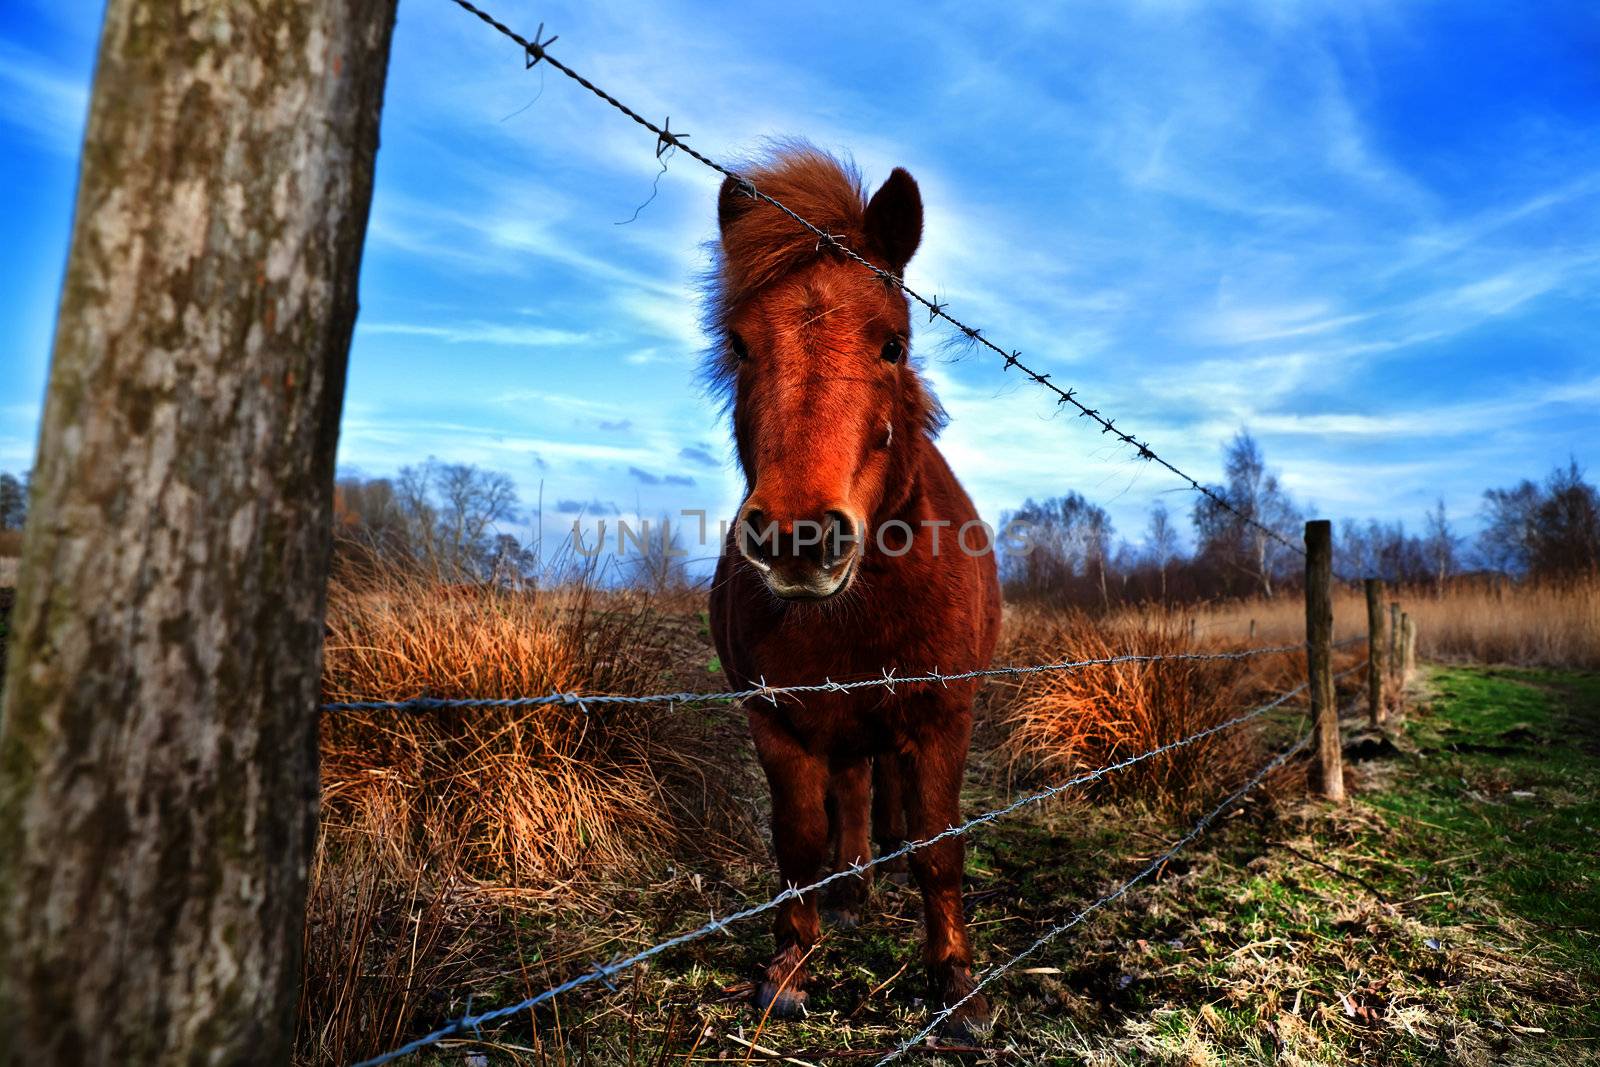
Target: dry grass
pixel 382 943
pixel 1062 722
pixel 539 792
pixel 1469 621
pixel 1530 627
pixel 434 823
pixel 1073 720
pixel 1238 623
pixel 462 847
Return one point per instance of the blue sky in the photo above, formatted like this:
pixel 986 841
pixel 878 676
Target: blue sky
pixel 1370 233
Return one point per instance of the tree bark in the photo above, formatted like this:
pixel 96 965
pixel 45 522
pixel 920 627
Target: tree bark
pixel 158 762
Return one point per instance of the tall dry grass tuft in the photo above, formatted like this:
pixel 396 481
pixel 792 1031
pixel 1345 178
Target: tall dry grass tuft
pixel 383 947
pixel 538 792
pixel 1068 721
pixel 434 823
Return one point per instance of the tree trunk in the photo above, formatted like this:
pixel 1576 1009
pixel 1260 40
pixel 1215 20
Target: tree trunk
pixel 1262 570
pixel 158 762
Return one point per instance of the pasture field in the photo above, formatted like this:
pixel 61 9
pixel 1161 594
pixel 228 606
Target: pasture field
pixel 1477 621
pixel 1447 915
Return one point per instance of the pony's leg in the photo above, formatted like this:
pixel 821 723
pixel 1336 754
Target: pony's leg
pixel 933 770
pixel 889 815
pixel 849 790
pixel 799 783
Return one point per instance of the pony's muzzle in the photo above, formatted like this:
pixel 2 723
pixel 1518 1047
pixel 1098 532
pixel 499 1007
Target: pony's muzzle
pixel 801 558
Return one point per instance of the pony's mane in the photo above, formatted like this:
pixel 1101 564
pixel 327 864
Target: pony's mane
pixel 761 244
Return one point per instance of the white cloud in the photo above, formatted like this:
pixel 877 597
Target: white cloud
pixel 487 333
pixel 49 105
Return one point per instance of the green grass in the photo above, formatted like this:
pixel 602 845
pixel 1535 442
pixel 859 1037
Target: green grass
pixel 1517 784
pixel 1451 907
pixel 1448 914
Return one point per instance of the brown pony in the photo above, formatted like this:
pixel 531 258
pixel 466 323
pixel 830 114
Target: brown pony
pixel 855 551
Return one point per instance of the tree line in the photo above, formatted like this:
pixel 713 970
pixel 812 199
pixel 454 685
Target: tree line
pixel 1541 531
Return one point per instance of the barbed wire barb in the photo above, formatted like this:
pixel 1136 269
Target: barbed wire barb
pixel 667 138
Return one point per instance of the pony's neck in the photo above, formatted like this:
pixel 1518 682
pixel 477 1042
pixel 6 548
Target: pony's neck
pixel 903 494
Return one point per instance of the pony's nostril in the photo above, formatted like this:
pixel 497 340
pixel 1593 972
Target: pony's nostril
pixel 839 537
pixel 758 538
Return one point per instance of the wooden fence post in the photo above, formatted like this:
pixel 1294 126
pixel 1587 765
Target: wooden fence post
pixel 1408 642
pixel 1329 773
pixel 158 734
pixel 1376 642
pixel 1393 662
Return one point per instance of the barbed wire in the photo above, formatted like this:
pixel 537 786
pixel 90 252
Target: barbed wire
pixel 1116 894
pixel 537 51
pixel 771 692
pixel 604 972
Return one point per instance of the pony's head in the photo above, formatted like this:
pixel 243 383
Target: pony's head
pixel 812 353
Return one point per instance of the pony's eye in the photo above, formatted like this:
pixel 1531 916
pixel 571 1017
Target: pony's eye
pixel 894 350
pixel 736 343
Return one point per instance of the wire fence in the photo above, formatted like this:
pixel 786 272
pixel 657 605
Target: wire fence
pixel 888 680
pixel 537 51
pixel 603 973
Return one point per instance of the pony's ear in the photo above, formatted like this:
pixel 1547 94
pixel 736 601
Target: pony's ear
pixel 732 202
pixel 893 223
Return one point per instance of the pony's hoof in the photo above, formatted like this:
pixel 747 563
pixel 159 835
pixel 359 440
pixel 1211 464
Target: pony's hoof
pixel 782 990
pixel 843 918
pixel 970 1024
pixel 780 1003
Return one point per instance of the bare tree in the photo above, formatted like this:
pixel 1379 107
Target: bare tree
pixel 656 558
pixel 1237 536
pixel 1510 515
pixel 439 514
pixel 1351 550
pixel 1069 545
pixel 1439 545
pixel 158 733
pixel 1161 543
pixel 367 516
pixel 472 501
